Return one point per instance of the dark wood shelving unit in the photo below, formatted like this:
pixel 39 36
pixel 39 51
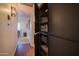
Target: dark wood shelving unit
pixel 41 26
pixel 44 32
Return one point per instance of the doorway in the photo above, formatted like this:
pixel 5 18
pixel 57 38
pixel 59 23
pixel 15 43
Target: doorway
pixel 24 33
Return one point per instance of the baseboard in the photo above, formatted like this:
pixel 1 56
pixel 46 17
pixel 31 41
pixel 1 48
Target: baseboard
pixel 4 54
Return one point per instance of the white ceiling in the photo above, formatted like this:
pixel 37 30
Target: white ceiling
pixel 27 9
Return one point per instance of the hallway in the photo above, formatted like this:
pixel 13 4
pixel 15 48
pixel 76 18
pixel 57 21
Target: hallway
pixel 16 29
pixel 24 29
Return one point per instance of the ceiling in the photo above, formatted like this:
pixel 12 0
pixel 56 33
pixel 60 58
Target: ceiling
pixel 25 8
pixel 28 4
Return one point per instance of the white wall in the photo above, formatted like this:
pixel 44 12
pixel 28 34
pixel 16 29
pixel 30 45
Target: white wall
pixel 33 25
pixel 8 34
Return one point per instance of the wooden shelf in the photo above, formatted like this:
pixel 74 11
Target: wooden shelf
pixel 44 42
pixel 44 49
pixel 44 14
pixel 44 23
